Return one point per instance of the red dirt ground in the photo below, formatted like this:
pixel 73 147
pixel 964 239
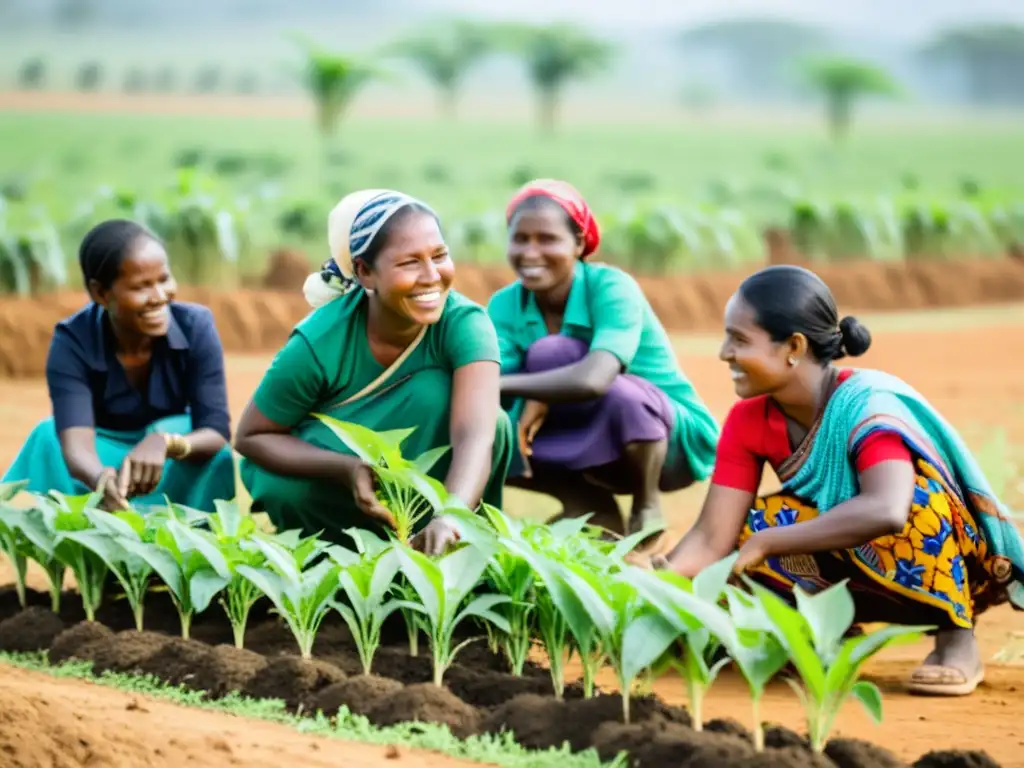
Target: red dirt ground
pixel 972 374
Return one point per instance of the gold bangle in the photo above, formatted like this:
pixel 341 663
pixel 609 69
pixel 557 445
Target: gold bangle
pixel 178 446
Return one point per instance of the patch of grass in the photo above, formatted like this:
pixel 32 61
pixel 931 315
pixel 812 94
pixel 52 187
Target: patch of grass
pixel 496 750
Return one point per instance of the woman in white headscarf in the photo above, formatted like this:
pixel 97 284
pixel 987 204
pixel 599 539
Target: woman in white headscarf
pixel 388 346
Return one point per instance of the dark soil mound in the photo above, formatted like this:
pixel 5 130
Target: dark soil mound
pixel 226 669
pixel 123 652
pixel 611 738
pixel 855 753
pixel 426 703
pixel 34 629
pixel 541 721
pixel 75 642
pixel 293 679
pixel 533 719
pixel 956 758
pixel 360 694
pixel 678 746
pixel 271 638
pixel 178 662
pixel 790 757
pixel 397 664
pixel 489 689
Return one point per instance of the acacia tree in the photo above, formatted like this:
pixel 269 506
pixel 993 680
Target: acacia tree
pixel 555 55
pixel 444 57
pixel 842 82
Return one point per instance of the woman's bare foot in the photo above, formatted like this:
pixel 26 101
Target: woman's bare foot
pixel 953 668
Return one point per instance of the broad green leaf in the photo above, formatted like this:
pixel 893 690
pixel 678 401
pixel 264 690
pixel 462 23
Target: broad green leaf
pixel 9 490
pixel 189 539
pixel 204 586
pixel 426 579
pixel 269 583
pixel 829 614
pixel 363 442
pixel 461 571
pixel 631 542
pixel 710 583
pixel 867 693
pixel 645 639
pixel 793 633
pixel 162 562
pixel 482 607
pixel 426 460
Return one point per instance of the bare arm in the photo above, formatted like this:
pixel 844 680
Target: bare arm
pixel 881 508
pixel 716 532
pixel 78 447
pixel 473 421
pixel 273 447
pixel 587 379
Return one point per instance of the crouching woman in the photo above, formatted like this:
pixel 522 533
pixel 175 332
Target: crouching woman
pixel 389 346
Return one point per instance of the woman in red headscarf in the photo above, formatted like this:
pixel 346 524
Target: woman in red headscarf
pixel 588 371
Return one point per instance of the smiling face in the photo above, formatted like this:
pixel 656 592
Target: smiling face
pixel 413 271
pixel 542 247
pixel 758 364
pixel 138 301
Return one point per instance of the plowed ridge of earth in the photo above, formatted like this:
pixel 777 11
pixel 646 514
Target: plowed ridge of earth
pixel 259 320
pixel 48 722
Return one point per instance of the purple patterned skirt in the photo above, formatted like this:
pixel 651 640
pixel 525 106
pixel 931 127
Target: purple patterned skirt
pixel 581 436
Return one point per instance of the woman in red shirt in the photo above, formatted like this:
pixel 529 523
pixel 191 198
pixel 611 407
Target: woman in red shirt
pixel 876 487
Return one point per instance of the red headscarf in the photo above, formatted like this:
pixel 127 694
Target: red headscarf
pixel 570 201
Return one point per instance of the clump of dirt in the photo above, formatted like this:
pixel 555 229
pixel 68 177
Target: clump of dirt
pixel 177 662
pixel 293 679
pixel 270 638
pixel 728 727
pixel 541 721
pixel 611 738
pixel 956 758
pixel 780 737
pixel 123 652
pixel 489 689
pixel 34 629
pixel 425 703
pixel 75 642
pixel 360 694
pixel 856 753
pixel 226 669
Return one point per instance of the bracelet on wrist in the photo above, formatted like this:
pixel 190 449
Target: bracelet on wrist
pixel 178 446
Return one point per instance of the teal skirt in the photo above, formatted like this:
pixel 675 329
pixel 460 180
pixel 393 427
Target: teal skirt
pixel 195 485
pixel 422 400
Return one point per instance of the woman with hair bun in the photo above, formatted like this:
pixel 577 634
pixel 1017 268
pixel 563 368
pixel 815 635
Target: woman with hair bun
pixel 877 487
pixel 137 386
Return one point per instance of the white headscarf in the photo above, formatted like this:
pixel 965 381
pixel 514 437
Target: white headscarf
pixel 351 226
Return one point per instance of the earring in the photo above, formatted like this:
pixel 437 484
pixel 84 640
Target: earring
pixel 792 361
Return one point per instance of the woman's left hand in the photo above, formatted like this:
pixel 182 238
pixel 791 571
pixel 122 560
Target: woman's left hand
pixel 439 535
pixel 143 467
pixel 752 554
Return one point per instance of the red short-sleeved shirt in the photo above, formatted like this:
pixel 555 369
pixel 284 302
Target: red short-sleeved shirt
pixel 755 432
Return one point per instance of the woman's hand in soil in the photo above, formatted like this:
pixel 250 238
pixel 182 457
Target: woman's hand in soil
pixel 532 419
pixel 361 480
pixel 439 535
pixel 143 467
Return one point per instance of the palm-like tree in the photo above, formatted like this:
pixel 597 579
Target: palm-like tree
pixel 555 55
pixel 445 56
pixel 333 80
pixel 843 82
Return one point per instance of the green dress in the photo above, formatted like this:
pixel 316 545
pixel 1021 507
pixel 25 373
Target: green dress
pixel 326 360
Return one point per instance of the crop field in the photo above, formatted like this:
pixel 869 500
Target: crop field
pixel 963 361
pixel 671 195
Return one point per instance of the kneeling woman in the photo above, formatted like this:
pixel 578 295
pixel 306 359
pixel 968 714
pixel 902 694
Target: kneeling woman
pixel 877 487
pixel 394 347
pixel 601 402
pixel 137 385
